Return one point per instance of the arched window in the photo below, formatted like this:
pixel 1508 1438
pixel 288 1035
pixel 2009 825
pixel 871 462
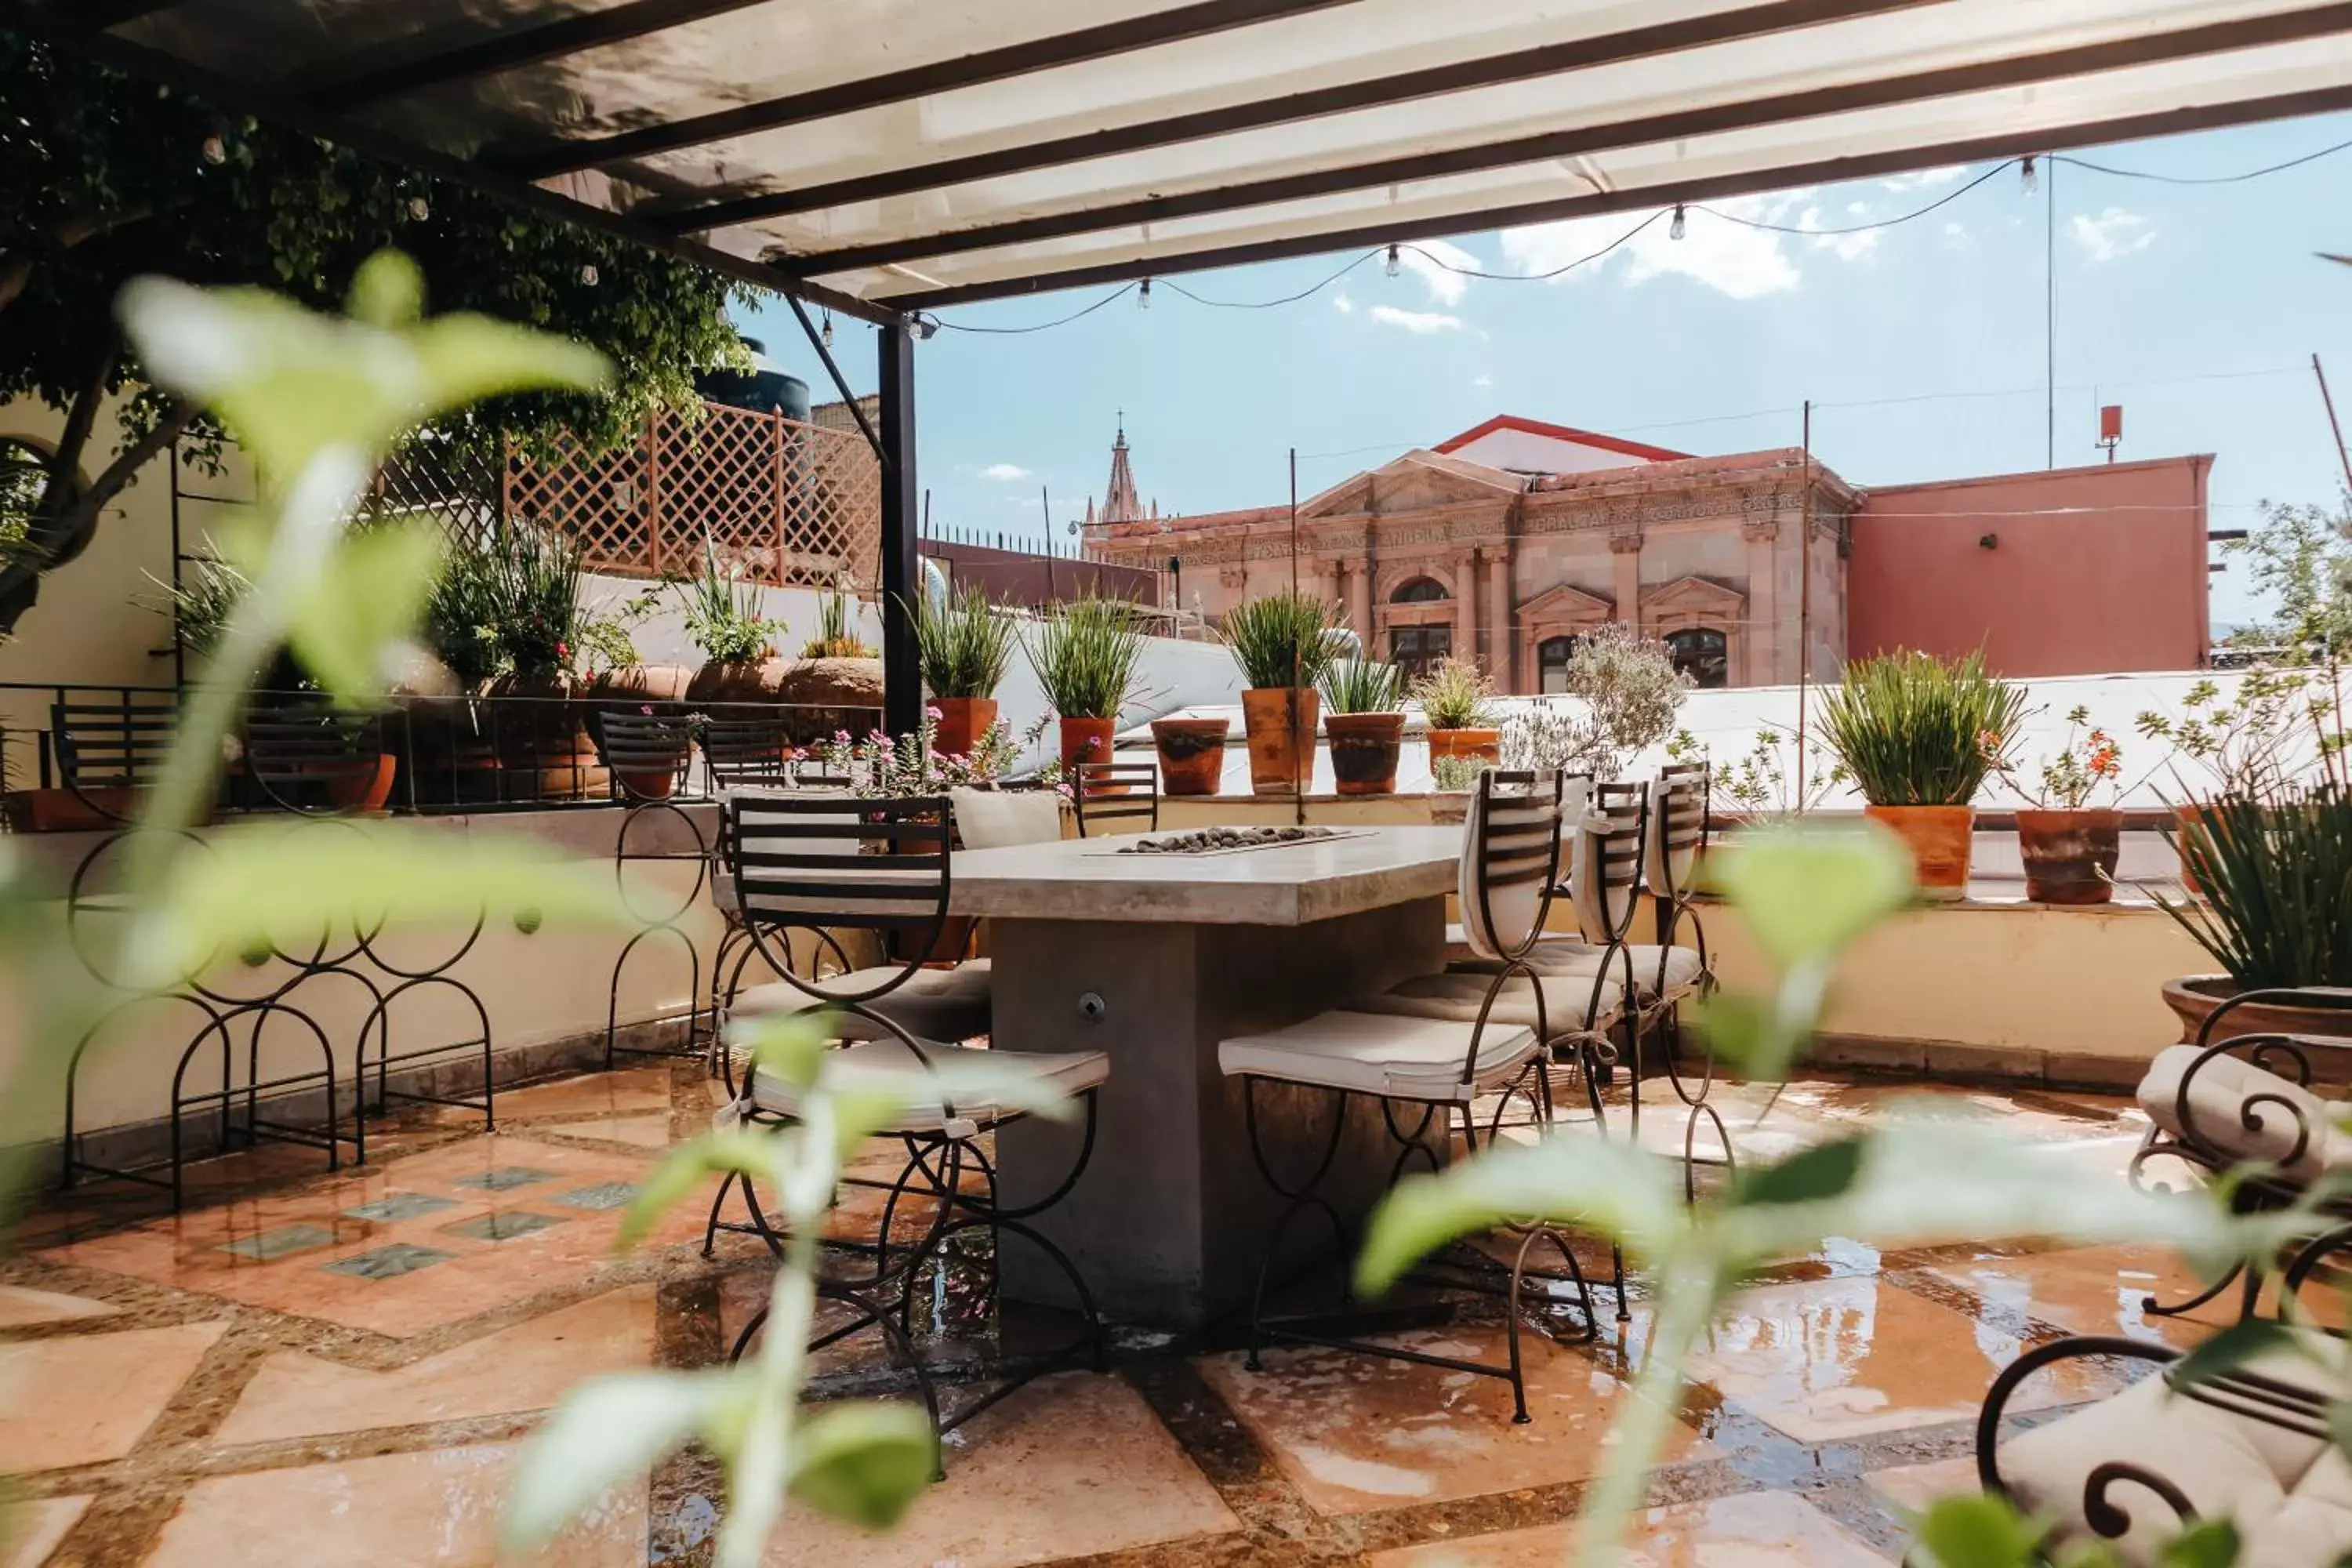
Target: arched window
pixel 1703 653
pixel 1417 650
pixel 1420 590
pixel 1552 654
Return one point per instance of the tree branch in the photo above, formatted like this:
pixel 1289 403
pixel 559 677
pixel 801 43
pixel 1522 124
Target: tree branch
pixel 17 272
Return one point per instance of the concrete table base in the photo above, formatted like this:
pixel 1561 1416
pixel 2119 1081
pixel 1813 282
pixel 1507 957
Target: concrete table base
pixel 1169 1223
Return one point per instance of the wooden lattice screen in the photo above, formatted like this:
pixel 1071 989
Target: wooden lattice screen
pixel 786 502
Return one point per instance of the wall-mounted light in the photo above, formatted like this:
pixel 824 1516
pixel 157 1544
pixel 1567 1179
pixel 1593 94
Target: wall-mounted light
pixel 1989 542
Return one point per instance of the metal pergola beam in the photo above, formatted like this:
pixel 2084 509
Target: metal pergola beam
pixel 114 13
pixel 515 47
pixel 138 59
pixel 2007 144
pixel 1646 131
pixel 1123 36
pixel 1403 87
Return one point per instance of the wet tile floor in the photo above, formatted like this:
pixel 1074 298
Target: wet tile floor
pixel 308 1368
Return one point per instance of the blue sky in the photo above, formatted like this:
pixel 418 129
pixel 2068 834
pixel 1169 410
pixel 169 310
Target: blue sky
pixel 2196 307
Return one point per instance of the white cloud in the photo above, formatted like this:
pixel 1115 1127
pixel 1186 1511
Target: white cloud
pixel 1956 236
pixel 1924 178
pixel 1007 472
pixel 1730 258
pixel 1423 259
pixel 1483 381
pixel 2112 233
pixel 1341 303
pixel 1419 322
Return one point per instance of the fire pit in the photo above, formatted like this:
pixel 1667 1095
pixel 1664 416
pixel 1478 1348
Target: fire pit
pixel 1225 840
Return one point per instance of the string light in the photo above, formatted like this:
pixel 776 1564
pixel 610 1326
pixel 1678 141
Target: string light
pixel 1396 263
pixel 216 150
pixel 1674 229
pixel 588 275
pixel 419 209
pixel 2028 176
pixel 1143 295
pixel 827 335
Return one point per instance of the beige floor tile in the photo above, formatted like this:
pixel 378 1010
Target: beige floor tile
pixel 439 1507
pixel 592 1094
pixel 1355 1432
pixel 1914 1486
pixel 1760 1529
pixel 77 1400
pixel 525 1367
pixel 21 1307
pixel 1828 1359
pixel 34 1529
pixel 642 1131
pixel 2099 1291
pixel 1071 1466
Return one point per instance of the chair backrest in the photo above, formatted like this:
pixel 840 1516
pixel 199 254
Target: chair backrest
pixel 999 819
pixel 1510 861
pixel 736 750
pixel 312 757
pixel 1607 879
pixel 1678 824
pixel 114 744
pixel 823 862
pixel 638 747
pixel 1105 793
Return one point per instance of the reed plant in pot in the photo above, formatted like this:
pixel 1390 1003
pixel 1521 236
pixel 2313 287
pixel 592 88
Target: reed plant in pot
pixel 965 644
pixel 542 744
pixel 1918 733
pixel 723 619
pixel 1085 655
pixel 836 631
pixel 1457 714
pixel 1365 722
pixel 2069 846
pixel 1283 645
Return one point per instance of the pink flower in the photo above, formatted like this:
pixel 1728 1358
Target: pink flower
pixel 933 713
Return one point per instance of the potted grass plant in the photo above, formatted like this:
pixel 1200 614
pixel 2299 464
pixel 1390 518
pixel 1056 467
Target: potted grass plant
pixel 1454 711
pixel 1365 723
pixel 1918 734
pixel 2069 846
pixel 836 636
pixel 965 644
pixel 1085 654
pixel 1191 753
pixel 723 619
pixel 1281 642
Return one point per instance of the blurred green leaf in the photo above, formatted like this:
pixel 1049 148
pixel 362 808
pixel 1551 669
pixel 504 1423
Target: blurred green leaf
pixel 387 291
pixel 1982 1531
pixel 2231 1348
pixel 689 1166
pixel 1597 1184
pixel 369 600
pixel 1810 1175
pixel 2207 1543
pixel 1806 892
pixel 605 1434
pixel 864 1463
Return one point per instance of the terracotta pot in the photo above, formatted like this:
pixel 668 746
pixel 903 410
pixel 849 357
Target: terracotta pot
pixel 364 792
pixel 1279 723
pixel 948 949
pixel 2070 855
pixel 540 728
pixel 1086 741
pixel 2185 817
pixel 1364 748
pixel 1939 840
pixel 646 783
pixel 2193 997
pixel 962 722
pixel 1475 746
pixel 62 811
pixel 1191 753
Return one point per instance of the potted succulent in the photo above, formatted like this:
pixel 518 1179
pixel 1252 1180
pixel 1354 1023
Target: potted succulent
pixel 1085 654
pixel 964 644
pixel 1281 644
pixel 835 637
pixel 1918 734
pixel 2236 746
pixel 2274 867
pixel 2068 845
pixel 723 619
pixel 1454 711
pixel 1191 753
pixel 1365 724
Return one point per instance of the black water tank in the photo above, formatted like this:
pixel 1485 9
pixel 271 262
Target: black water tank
pixel 763 386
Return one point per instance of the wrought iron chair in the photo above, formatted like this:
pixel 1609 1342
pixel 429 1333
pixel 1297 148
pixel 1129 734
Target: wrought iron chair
pixel 1115 792
pixel 314 757
pixel 647 756
pixel 1438 1046
pixel 804 864
pixel 108 752
pixel 644 754
pixel 736 751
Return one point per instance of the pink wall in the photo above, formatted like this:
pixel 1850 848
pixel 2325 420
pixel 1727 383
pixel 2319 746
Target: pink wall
pixel 2116 585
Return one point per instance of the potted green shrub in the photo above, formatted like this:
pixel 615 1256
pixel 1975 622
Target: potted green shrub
pixel 2273 867
pixel 965 644
pixel 1457 714
pixel 723 620
pixel 2238 743
pixel 543 748
pixel 1085 653
pixel 2069 846
pixel 1365 724
pixel 1281 642
pixel 1918 734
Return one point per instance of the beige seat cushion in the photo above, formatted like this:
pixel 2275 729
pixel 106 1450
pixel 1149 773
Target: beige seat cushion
pixel 999 819
pixel 1568 957
pixel 889 1065
pixel 2217 1102
pixel 1571 1003
pixel 1394 1055
pixel 2223 1463
pixel 934 1004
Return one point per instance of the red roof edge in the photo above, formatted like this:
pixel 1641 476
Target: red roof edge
pixel 1563 433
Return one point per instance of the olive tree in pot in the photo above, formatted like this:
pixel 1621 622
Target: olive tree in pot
pixel 2069 846
pixel 1365 724
pixel 1283 645
pixel 1454 711
pixel 1918 733
pixel 1085 654
pixel 2274 868
pixel 965 644
pixel 1628 692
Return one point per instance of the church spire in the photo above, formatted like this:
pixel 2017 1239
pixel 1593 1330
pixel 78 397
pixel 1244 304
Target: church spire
pixel 1120 502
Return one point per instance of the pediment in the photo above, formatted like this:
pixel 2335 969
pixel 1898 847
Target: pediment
pixel 1566 603
pixel 1413 482
pixel 1692 596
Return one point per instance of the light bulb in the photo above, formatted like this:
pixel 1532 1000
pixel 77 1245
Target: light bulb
pixel 1674 229
pixel 1143 296
pixel 1395 264
pixel 588 275
pixel 216 150
pixel 827 334
pixel 419 208
pixel 2028 177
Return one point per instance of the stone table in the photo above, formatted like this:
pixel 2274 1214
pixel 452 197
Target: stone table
pixel 1155 959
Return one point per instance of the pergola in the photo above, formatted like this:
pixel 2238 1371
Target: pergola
pixel 884 158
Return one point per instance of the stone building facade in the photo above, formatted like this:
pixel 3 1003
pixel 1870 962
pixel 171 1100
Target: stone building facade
pixel 1450 550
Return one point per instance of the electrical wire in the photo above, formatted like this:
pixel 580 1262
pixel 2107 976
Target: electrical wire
pixel 1173 287
pixel 1870 226
pixel 1122 290
pixel 2199 179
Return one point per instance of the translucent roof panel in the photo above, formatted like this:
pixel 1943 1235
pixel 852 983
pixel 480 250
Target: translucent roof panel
pixel 886 154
